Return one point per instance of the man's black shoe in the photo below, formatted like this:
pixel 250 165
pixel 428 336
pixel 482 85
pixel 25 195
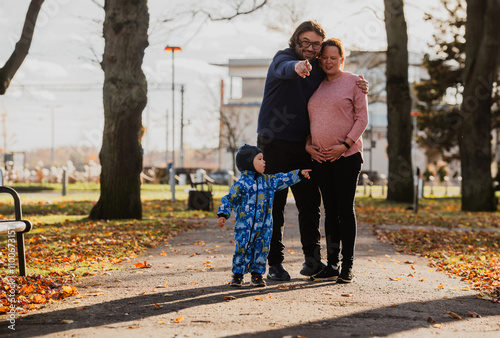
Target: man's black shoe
pixel 346 276
pixel 328 273
pixel 278 272
pixel 311 267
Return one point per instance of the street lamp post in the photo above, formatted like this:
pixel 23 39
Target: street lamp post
pixel 416 170
pixel 172 169
pixel 181 146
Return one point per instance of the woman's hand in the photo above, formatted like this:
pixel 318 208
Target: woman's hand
pixel 334 152
pixel 314 151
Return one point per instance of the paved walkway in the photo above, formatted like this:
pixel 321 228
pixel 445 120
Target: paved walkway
pixel 185 294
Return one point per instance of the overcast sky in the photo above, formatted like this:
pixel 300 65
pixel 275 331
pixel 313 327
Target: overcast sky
pixel 61 77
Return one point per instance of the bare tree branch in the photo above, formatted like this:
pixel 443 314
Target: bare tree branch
pixel 98 3
pixel 184 18
pixel 237 11
pixel 22 46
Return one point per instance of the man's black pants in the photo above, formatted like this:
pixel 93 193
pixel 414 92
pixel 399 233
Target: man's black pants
pixel 284 156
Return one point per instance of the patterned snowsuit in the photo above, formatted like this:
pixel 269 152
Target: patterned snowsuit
pixel 251 197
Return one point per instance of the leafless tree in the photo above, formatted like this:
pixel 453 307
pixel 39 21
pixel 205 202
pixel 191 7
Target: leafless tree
pixel 22 47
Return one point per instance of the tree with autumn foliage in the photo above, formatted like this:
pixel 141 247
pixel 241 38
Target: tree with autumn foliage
pixel 437 97
pixel 458 73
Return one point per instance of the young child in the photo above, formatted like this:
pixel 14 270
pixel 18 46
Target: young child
pixel 251 197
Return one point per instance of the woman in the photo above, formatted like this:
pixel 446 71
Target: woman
pixel 338 117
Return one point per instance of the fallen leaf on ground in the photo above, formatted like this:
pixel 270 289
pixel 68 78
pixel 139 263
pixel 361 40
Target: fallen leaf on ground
pixel 395 279
pixel 229 298
pixel 431 320
pixel 67 321
pixel 453 315
pixel 179 319
pixel 289 286
pixel 473 314
pixel 142 265
pixel 347 295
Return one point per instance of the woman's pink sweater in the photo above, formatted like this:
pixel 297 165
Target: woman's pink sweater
pixel 338 109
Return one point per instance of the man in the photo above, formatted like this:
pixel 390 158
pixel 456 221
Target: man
pixel 283 126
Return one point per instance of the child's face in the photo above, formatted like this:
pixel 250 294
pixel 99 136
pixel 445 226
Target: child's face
pixel 259 164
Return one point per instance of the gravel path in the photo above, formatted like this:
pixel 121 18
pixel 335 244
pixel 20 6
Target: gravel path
pixel 185 294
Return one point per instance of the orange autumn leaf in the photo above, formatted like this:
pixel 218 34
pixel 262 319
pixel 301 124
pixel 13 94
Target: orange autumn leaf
pixel 68 291
pixel 179 319
pixel 39 299
pixel 27 289
pixel 395 279
pixel 142 265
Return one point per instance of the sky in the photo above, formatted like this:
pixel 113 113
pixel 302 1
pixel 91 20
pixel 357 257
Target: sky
pixel 55 98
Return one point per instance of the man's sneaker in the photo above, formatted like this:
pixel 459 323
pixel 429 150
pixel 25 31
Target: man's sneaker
pixel 328 273
pixel 346 276
pixel 237 280
pixel 278 272
pixel 257 281
pixel 311 267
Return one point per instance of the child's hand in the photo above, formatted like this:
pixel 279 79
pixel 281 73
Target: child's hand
pixel 221 221
pixel 305 173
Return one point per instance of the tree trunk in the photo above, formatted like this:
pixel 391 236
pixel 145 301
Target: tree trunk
pixel 481 51
pixel 22 48
pixel 125 96
pixel 400 182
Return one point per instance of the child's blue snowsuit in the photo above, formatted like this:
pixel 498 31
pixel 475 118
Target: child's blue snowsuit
pixel 252 197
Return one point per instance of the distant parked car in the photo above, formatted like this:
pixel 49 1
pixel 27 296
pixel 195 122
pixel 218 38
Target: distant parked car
pixel 221 177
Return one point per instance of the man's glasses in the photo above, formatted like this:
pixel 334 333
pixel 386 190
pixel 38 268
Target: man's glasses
pixel 307 43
